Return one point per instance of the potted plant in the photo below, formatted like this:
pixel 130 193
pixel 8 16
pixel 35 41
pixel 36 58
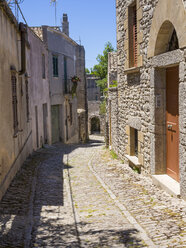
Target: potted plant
pixel 74 80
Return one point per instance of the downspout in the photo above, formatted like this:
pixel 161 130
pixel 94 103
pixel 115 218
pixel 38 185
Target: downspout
pixel 23 31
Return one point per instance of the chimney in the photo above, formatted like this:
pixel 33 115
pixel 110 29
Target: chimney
pixel 65 24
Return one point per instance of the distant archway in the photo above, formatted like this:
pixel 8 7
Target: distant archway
pixel 95 125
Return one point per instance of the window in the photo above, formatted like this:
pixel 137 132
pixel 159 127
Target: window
pixel 14 103
pixel 134 142
pixel 55 66
pixel 65 74
pixel 43 66
pixel 27 101
pixel 132 21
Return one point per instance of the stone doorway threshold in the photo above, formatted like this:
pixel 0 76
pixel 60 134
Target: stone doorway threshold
pixel 168 184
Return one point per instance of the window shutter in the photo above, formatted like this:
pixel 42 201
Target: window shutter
pixel 132 22
pixel 134 35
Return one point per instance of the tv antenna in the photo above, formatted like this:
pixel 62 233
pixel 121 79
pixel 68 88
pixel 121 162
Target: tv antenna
pixel 54 2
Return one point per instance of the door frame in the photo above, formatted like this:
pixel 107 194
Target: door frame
pixel 158 119
pixel 172 172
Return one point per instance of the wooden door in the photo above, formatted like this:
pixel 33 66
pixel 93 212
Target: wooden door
pixel 172 121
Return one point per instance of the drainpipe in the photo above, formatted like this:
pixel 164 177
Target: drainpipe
pixel 23 31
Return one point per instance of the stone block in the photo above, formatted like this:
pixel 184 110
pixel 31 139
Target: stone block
pixel 140 60
pixel 141 159
pixel 139 146
pixel 126 45
pixel 139 14
pixel 126 24
pixel 140 37
pixel 140 137
pixel 127 130
pixel 182 72
pixel 128 149
pixel 134 122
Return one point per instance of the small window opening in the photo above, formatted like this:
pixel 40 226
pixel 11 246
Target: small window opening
pixel 133 142
pixel 173 43
pixel 55 66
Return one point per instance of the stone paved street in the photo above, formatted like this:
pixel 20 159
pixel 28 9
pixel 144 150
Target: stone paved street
pixel 89 200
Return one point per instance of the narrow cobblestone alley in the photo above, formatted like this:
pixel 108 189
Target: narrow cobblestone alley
pixel 89 200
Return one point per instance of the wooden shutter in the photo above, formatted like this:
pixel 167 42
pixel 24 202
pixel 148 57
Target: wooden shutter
pixel 134 35
pixel 132 22
pixel 14 102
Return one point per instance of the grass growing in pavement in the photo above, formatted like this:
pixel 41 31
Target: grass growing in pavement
pixel 113 154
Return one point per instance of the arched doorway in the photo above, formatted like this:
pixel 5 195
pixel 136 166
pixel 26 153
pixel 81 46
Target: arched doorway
pixel 167 39
pixel 95 125
pixel 166 98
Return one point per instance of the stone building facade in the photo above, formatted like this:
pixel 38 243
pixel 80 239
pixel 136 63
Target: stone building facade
pixel 16 127
pixel 38 88
pixel 66 59
pixel 149 130
pixel 96 121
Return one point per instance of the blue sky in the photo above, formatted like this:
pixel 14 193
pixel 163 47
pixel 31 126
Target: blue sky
pixel 92 21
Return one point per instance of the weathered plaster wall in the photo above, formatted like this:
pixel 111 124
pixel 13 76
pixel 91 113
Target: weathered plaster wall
pixel 13 148
pixel 93 91
pixel 39 88
pixel 62 46
pixel 82 103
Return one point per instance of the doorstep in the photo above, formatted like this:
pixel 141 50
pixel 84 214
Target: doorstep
pixel 168 184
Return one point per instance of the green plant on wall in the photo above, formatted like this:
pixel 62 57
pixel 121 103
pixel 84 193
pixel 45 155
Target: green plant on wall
pixel 103 107
pixel 114 84
pixel 74 80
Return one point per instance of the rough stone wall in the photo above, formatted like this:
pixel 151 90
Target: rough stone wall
pixel 82 92
pixel 133 90
pixel 93 91
pixel 112 102
pixel 136 94
pixel 112 118
pixel 112 68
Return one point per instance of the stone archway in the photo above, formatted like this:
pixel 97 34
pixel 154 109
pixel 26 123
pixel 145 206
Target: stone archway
pixel 94 124
pixel 167 39
pixel 165 19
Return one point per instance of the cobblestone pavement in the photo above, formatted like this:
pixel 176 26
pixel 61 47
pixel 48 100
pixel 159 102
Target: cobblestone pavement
pixel 89 200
